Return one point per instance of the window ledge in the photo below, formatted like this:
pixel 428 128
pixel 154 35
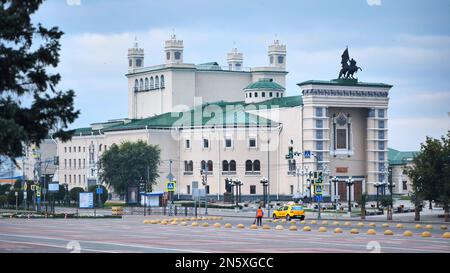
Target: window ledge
pixel 341 152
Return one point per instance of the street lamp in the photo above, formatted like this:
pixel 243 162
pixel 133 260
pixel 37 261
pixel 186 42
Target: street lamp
pixel 349 183
pixel 204 174
pixel 335 180
pixel 377 185
pixel 264 182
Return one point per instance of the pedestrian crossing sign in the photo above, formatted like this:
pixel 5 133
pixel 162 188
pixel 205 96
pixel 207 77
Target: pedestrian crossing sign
pixel 171 186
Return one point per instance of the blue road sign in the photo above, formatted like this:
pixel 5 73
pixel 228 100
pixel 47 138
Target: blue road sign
pixel 170 186
pixel 38 200
pixel 99 191
pixel 319 198
pixel 307 154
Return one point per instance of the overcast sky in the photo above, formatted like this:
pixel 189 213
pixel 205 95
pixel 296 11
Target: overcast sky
pixel 405 43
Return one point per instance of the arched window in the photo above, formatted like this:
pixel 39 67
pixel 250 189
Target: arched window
pixel 152 85
pixel 146 83
pixel 232 166
pixel 156 82
pixel 225 166
pixel 136 85
pixel 163 84
pixel 256 94
pixel 256 166
pixel 210 166
pixel 248 166
pixel 141 84
pixel 203 165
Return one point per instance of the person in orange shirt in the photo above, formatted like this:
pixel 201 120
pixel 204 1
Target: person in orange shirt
pixel 259 216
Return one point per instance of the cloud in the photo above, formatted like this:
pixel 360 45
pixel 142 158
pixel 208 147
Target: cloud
pixel 374 2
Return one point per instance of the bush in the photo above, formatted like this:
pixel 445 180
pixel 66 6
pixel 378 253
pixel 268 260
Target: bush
pixel 74 193
pixel 3 200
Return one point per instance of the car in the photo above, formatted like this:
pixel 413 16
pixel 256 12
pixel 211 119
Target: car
pixel 289 211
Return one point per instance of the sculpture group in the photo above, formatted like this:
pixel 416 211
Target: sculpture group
pixel 349 67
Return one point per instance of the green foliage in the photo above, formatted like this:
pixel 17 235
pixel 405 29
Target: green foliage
pixel 385 201
pixel 30 105
pixel 103 196
pixel 4 188
pixel 431 172
pixel 363 200
pixel 74 193
pixel 127 164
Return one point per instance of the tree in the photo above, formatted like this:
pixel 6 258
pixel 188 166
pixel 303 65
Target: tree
pixel 74 192
pixel 129 163
pixel 430 173
pixel 26 51
pixel 103 196
pixel 363 201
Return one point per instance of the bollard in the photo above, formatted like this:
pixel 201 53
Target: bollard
pixel 347 224
pixel 354 231
pixel 426 234
pixel 307 228
pixel 407 233
pixel 385 225
pixel 228 225
pixel 194 224
pixel 240 226
pixel 336 223
pixel 183 223
pixel 444 227
pixel 418 226
pixel 293 228
pixel 205 224
pixel 446 235
pixel 371 232
pixel 322 229
pixel 313 222
pixel 428 227
pixel 279 227
pixel 266 227
pixel 372 225
pixel 399 226
pixel 253 227
pixel 217 225
pixel 388 232
pixel 325 222
pixel 337 230
pixel 360 224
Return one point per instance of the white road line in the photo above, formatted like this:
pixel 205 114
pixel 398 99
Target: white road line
pixel 56 246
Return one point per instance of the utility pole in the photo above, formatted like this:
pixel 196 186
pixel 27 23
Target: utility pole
pixel 268 176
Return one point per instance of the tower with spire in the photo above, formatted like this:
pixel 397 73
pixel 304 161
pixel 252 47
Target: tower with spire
pixel 135 57
pixel 235 60
pixel 277 54
pixel 174 50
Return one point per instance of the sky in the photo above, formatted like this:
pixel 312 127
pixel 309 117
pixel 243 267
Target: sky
pixel 405 43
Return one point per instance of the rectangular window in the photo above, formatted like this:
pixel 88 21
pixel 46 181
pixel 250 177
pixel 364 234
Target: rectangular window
pixel 70 163
pixel 207 189
pixel 188 189
pixel 205 143
pixel 65 149
pixel 65 163
pixel 252 189
pixel 381 167
pixel 65 178
pixel 380 134
pixel 84 163
pixel 319 156
pixel 319 123
pixel 381 124
pixel 381 113
pixel 371 113
pixel 270 94
pixel 79 163
pixel 79 149
pixel 228 143
pixel 341 139
pixel 381 177
pixel 263 94
pixel 319 145
pixel 70 178
pixel 381 145
pixel 319 134
pixel 319 112
pixel 381 156
pixel 252 143
pixel 188 144
pixel 70 149
pixel 292 189
pixel 405 185
pixel 74 163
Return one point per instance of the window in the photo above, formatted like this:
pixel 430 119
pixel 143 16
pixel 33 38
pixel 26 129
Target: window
pixel 319 145
pixel 381 145
pixel 248 166
pixel 138 62
pixel 74 163
pixel 381 156
pixel 70 178
pixel 381 113
pixel 141 84
pixel 270 94
pixel 381 124
pixel 70 149
pixel 280 60
pixel 271 59
pixel 84 149
pixel 65 178
pixel 232 166
pixel 256 166
pixel 84 178
pixel 228 143
pixel 292 189
pixel 252 189
pixel 263 94
pixel 65 163
pixel 225 166
pixel 188 144
pixel 252 143
pixel 380 134
pixel 163 84
pixel 130 62
pixel 319 123
pixel 100 147
pixel 188 189
pixel 256 94
pixel 79 178
pixel 79 163
pixel 177 55
pixel 207 189
pixel 319 134
pixel 203 165
pixel 205 143
pixel 152 83
pixel 292 165
pixel 341 138
pixel 319 112
pixel 281 94
pixel 65 149
pixel 106 147
pixel 188 166
pixel 278 94
pixel 371 113
pixel 168 55
pixel 146 83
pixel 136 85
pixel 156 82
pixel 405 185
pixel 70 163
pixel 210 166
pixel 250 95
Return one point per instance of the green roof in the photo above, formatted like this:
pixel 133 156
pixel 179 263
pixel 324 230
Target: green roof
pixel 265 84
pixel 209 66
pixel 345 82
pixel 292 101
pixel 400 158
pixel 85 131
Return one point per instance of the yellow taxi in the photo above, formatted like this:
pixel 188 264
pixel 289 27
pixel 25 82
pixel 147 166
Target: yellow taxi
pixel 289 211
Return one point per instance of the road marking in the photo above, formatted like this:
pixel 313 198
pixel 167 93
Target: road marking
pixel 56 246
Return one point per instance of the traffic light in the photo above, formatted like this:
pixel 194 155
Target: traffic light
pixel 290 154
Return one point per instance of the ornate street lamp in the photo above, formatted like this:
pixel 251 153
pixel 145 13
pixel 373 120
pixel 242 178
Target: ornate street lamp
pixel 264 181
pixel 349 183
pixel 335 180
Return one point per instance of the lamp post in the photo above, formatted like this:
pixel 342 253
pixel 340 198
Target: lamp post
pixel 264 182
pixel 204 173
pixel 335 180
pixel 349 183
pixel 377 185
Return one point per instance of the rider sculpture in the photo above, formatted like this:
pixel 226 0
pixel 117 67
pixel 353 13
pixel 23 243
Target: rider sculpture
pixel 348 70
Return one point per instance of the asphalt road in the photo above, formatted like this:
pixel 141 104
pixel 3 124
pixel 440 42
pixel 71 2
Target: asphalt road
pixel 132 235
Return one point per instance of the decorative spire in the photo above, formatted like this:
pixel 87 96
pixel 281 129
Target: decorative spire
pixel 135 42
